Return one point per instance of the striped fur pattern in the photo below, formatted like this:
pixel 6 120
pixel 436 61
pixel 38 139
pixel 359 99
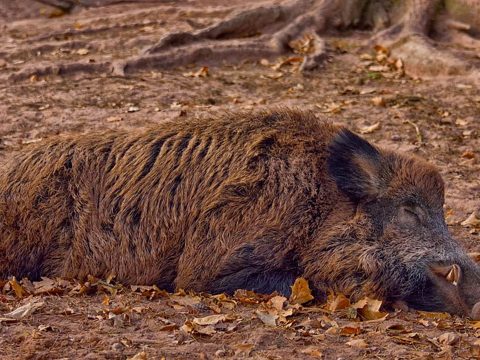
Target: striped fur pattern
pixel 240 201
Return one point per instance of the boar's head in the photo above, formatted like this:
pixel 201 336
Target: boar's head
pixel 408 253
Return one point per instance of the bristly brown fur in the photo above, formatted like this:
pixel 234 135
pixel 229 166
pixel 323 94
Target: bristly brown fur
pixel 241 201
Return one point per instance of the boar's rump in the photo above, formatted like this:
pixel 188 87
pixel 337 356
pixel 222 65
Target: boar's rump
pixel 246 201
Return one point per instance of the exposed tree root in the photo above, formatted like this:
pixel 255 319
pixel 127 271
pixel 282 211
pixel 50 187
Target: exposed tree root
pixel 280 23
pixel 206 53
pixel 271 30
pixel 408 39
pixel 67 5
pixel 63 69
pixel 423 59
pixel 90 31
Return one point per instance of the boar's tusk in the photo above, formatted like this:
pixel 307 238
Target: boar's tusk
pixel 453 275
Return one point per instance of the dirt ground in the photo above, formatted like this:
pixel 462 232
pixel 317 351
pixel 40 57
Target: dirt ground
pixel 434 118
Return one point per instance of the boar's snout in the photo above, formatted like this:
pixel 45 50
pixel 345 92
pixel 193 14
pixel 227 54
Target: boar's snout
pixel 457 288
pixel 475 315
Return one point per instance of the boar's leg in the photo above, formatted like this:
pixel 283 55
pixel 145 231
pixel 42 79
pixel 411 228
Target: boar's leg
pixel 257 266
pixel 255 279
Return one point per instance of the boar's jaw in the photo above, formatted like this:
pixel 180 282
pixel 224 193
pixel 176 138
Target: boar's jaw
pixel 435 293
pixel 455 289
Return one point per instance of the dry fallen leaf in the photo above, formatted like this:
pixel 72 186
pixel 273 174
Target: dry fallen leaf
pixel 142 355
pixel 399 64
pixel 150 292
pixel 45 328
pixel 351 329
pixel 265 62
pixel 132 109
pixel 249 297
pixel 25 310
pixel 395 328
pixel 210 320
pixel 381 57
pixel 472 221
pixel 461 122
pixel 370 128
pixel 114 118
pixel 304 45
pixel 283 314
pixel 267 318
pixel 20 292
pixel 448 338
pixel 434 315
pixel 367 91
pixel 468 154
pixel 312 351
pixel 424 322
pixel 340 302
pixel 475 349
pixel 369 309
pixel 202 72
pixel 332 331
pixel 186 300
pixel 366 56
pixel 31 141
pixel 48 286
pixel 190 327
pixel 379 68
pixel 358 343
pixel 301 292
pixel 380 49
pixel 244 349
pixel 331 107
pixel 378 101
pixel 288 61
pixel 224 301
pixel 277 302
pixel 7 320
pixel 274 76
pixel 27 285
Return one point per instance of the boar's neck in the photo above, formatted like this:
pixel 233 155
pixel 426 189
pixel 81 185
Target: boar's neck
pixel 331 260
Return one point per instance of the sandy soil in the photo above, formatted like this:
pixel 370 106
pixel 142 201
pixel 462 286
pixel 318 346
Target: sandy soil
pixel 436 119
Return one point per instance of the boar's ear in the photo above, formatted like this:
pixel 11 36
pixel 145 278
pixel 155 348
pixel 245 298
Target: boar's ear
pixel 355 165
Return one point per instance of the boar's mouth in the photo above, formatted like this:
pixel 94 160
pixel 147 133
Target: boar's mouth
pixel 443 291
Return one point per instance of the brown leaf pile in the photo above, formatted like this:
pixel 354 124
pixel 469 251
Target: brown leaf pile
pixel 380 63
pixel 208 316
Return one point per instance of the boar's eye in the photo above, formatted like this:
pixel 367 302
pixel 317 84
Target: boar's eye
pixel 410 215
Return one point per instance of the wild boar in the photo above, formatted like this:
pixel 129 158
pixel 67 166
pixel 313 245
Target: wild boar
pixel 247 201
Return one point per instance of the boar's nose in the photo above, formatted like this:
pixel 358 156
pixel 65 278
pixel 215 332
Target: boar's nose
pixel 475 315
